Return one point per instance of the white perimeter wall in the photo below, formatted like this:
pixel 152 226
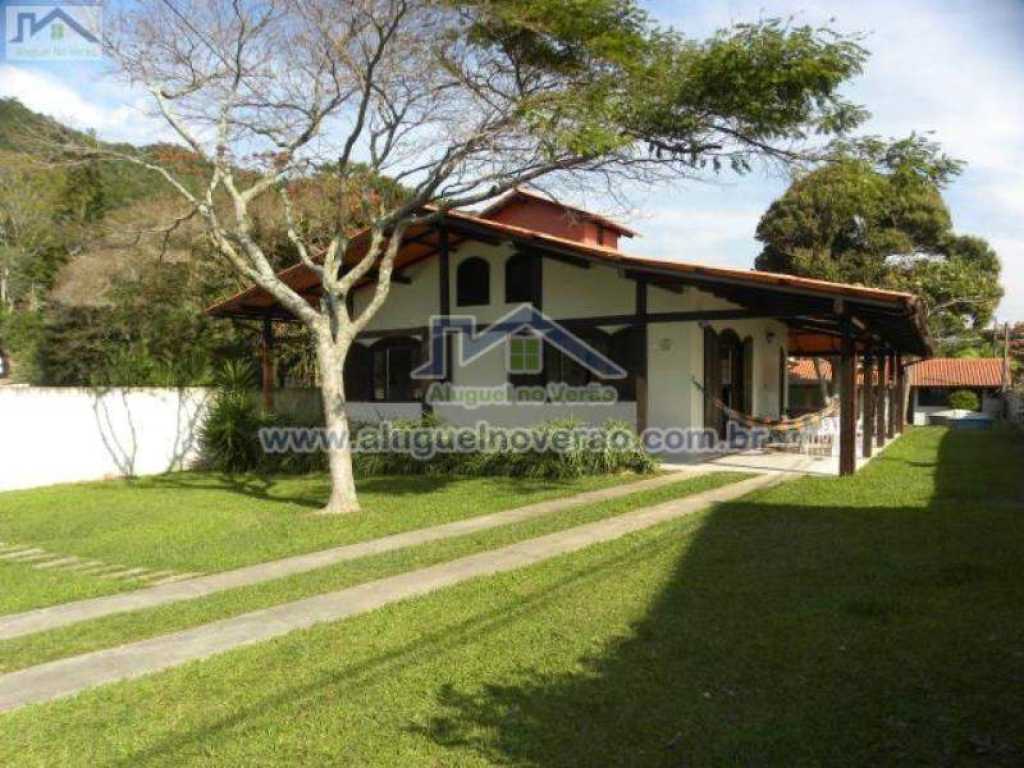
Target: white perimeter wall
pixel 61 435
pixel 54 435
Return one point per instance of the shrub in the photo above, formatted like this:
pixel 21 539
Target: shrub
pixel 229 438
pixel 964 400
pixel 229 442
pixel 622 451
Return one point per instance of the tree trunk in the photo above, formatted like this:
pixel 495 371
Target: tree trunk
pixel 331 359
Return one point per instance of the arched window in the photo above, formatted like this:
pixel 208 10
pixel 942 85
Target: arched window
pixel 522 279
pixel 473 283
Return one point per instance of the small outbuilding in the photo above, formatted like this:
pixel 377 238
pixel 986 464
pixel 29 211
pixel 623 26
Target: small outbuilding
pixel 932 381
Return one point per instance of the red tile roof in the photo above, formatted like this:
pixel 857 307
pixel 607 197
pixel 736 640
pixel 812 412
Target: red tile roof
pixel 935 372
pixel 957 372
pixel 521 193
pixel 907 316
pixel 803 369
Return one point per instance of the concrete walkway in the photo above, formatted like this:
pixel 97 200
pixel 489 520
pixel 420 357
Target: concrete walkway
pixel 69 676
pixel 178 588
pixel 771 461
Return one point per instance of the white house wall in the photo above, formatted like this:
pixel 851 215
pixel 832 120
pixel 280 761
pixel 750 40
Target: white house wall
pixel 675 356
pixel 407 306
pixel 675 350
pixel 576 292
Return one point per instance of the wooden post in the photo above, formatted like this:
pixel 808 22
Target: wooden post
pixel 901 405
pixel 869 404
pixel 641 374
pixel 848 404
pixel 880 403
pixel 445 295
pixel 267 364
pixel 891 427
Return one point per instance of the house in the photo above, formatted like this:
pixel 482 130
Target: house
pixel 932 381
pixel 688 338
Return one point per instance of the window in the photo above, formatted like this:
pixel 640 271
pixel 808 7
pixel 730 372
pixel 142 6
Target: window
pixel 562 369
pixel 393 364
pixel 473 283
pixel 626 351
pixel 525 354
pixel 359 374
pixel 932 396
pixel 522 279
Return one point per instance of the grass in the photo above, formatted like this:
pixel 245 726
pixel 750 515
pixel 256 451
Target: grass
pixel 197 522
pixel 873 620
pixel 129 627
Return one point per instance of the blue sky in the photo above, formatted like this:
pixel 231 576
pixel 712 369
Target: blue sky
pixel 954 67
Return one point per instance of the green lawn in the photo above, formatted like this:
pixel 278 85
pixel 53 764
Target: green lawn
pixel 195 522
pixel 127 627
pixel 873 620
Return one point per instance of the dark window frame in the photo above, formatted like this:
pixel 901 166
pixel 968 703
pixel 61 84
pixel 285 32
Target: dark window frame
pixel 521 279
pixel 403 390
pixel 473 283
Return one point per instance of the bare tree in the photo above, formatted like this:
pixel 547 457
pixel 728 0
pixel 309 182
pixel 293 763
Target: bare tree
pixel 458 101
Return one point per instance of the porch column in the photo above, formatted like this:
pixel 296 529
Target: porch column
pixel 901 402
pixel 869 404
pixel 880 403
pixel 444 298
pixel 891 427
pixel 267 364
pixel 848 404
pixel 641 373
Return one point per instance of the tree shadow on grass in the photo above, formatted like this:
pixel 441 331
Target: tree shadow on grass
pixel 249 485
pixel 355 676
pixel 794 634
pixel 316 488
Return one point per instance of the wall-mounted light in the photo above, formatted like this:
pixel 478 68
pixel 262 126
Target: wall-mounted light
pixel 770 336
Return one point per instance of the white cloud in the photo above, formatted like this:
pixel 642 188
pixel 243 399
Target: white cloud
pixel 115 114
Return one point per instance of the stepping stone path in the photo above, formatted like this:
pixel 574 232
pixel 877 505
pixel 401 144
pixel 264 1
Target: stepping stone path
pixel 43 560
pixel 163 587
pixel 65 677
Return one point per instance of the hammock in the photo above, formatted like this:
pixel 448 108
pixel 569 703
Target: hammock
pixel 780 425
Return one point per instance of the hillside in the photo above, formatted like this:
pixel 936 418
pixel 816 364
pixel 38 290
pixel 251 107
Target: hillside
pixel 122 183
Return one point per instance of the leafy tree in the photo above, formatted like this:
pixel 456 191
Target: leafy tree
pixel 458 101
pixel 32 247
pixel 83 199
pixel 872 213
pixel 964 400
